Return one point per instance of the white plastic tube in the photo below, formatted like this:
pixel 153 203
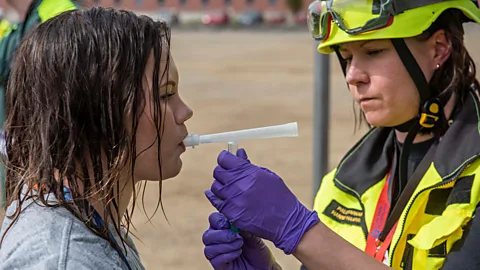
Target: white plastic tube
pixel 285 130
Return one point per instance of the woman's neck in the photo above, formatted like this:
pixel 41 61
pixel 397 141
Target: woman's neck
pixel 21 7
pixel 122 197
pixel 401 136
pixel 125 195
pixel 448 109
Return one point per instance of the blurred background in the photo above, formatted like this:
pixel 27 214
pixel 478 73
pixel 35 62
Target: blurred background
pixel 209 12
pixel 242 64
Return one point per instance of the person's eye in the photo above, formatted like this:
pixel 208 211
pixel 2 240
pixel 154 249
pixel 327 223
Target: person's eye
pixel 347 58
pixel 374 52
pixel 169 93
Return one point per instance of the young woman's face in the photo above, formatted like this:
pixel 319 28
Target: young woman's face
pixel 380 83
pixel 174 113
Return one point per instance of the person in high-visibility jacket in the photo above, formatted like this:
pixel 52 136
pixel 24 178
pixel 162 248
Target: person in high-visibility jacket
pixel 4 27
pixel 33 12
pixel 406 195
pixel 36 12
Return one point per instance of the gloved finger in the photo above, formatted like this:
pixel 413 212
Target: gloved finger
pixel 252 241
pixel 221 261
pixel 222 175
pixel 241 153
pixel 226 236
pixel 214 200
pixel 217 188
pixel 227 177
pixel 212 251
pixel 218 221
pixel 228 161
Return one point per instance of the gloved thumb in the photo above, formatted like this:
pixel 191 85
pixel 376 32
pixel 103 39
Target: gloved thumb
pixel 218 221
pixel 229 161
pixel 241 153
pixel 252 241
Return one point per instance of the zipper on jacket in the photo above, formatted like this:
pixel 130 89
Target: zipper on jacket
pixel 451 179
pixel 407 258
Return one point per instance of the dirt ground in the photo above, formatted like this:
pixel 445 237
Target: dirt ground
pixel 238 80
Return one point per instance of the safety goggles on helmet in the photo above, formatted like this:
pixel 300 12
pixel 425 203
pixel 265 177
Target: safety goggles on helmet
pixel 321 13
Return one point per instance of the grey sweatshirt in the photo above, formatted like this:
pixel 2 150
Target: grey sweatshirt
pixel 53 238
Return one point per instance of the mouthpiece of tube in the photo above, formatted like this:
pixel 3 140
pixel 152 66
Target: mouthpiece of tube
pixel 285 130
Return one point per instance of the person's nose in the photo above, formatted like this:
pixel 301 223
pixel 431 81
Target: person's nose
pixel 184 113
pixel 355 74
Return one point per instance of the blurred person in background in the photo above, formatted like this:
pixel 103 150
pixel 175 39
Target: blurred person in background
pixel 406 195
pixel 96 116
pixel 32 13
pixel 4 25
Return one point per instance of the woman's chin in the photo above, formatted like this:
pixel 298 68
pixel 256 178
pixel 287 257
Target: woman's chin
pixel 172 171
pixel 169 171
pixel 377 120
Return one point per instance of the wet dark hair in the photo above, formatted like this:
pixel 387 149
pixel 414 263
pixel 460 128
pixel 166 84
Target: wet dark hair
pixel 73 101
pixel 458 74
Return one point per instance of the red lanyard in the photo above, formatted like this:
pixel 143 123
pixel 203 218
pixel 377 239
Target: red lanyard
pixel 381 220
pixel 374 247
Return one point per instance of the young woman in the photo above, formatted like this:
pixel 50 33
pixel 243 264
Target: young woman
pixel 93 109
pixel 406 195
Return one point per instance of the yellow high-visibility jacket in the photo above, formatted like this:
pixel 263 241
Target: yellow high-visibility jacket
pixel 441 206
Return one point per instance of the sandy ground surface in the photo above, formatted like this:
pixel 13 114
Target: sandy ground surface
pixel 237 80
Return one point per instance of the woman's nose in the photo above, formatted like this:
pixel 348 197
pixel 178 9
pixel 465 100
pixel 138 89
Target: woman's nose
pixel 356 75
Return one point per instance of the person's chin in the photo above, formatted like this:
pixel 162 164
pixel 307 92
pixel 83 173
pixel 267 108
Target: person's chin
pixel 380 122
pixel 173 170
pixel 376 120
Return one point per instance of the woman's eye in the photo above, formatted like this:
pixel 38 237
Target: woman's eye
pixel 167 96
pixel 374 52
pixel 169 93
pixel 347 58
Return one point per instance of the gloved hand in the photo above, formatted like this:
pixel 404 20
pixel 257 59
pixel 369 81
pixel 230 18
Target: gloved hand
pixel 257 201
pixel 227 250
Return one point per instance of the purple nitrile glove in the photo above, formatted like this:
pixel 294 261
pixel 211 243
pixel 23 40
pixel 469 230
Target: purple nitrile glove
pixel 257 201
pixel 227 250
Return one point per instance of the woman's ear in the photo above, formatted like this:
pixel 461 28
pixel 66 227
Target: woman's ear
pixel 442 47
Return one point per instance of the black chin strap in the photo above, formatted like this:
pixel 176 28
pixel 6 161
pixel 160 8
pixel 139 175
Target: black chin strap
pixel 343 63
pixel 405 127
pixel 413 69
pixel 417 76
pixel 430 110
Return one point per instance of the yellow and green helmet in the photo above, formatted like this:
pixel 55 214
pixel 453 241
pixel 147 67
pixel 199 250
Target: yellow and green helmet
pixel 334 22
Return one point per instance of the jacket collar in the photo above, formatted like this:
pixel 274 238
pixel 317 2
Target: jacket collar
pixel 369 160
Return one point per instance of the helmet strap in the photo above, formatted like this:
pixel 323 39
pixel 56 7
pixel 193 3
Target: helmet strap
pixel 430 110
